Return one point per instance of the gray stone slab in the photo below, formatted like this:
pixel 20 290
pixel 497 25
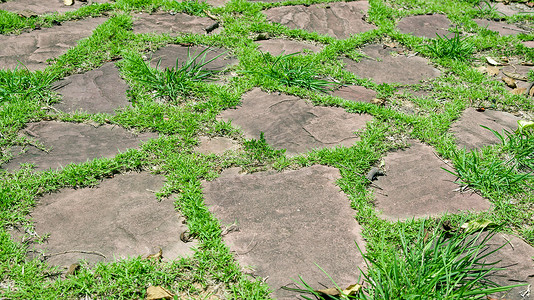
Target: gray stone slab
pixel 280 46
pixel 425 25
pixel 470 135
pixel 119 218
pixel 288 222
pixel 97 91
pixel 173 24
pixel 337 19
pixel 169 55
pixel 216 145
pixel 502 28
pixel 416 186
pixel 355 93
pixel 291 123
pixel 386 66
pixel 31 7
pixel 34 48
pixel 74 143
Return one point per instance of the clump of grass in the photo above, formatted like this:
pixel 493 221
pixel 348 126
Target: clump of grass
pixel 171 83
pixel 456 47
pixel 259 150
pixel 21 83
pixel 520 146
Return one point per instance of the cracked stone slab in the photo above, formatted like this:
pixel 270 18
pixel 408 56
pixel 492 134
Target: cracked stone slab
pixel 287 222
pixel 339 19
pixel 168 55
pixel 119 218
pixel 293 124
pixel 502 28
pixel 164 22
pixel 470 135
pixel 217 145
pixel 387 66
pixel 416 186
pixel 280 46
pixel 33 7
pixel 425 25
pixel 73 143
pixel 34 48
pixel 355 93
pixel 97 91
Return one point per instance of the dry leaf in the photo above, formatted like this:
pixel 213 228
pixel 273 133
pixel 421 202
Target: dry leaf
pixel 349 291
pixel 391 45
pixel 73 269
pixel 530 4
pixel 493 71
pixel 482 69
pixel 531 92
pixel 156 256
pixel 492 62
pixel 518 91
pixel 68 2
pixel 352 289
pixel 378 101
pixel 329 292
pixel 515 76
pixel 157 293
pixel 510 82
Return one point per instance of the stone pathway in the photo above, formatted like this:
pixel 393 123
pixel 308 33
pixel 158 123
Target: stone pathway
pixel 286 221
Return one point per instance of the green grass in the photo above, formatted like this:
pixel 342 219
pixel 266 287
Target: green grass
pixel 182 104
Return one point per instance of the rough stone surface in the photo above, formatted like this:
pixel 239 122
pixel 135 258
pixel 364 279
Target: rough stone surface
pixel 33 7
pixel 509 9
pixel 280 46
pixel 167 57
pixel 502 28
pixel 355 93
pixel 339 19
pixel 288 222
pixel 35 47
pixel 425 25
pixel 386 66
pixel 74 143
pixel 291 123
pixel 470 135
pixel 163 22
pixel 216 145
pixel 416 186
pixel 517 69
pixel 119 218
pixel 529 44
pixel 97 91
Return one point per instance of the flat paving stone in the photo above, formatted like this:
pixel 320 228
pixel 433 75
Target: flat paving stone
pixel 425 25
pixel 507 9
pixel 386 66
pixel 288 222
pixel 74 143
pixel 168 55
pixel 34 48
pixel 293 124
pixel 529 44
pixel 280 46
pixel 35 7
pixel 97 91
pixel 355 93
pixel 470 135
pixel 173 24
pixel 217 145
pixel 119 218
pixel 416 186
pixel 339 19
pixel 502 28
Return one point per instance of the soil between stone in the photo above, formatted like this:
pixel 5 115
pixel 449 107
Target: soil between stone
pixel 288 222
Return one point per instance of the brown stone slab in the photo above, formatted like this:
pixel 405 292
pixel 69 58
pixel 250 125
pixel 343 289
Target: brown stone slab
pixel 33 48
pixel 291 123
pixel 97 91
pixel 168 55
pixel 74 143
pixel 30 7
pixel 173 24
pixel 387 66
pixel 416 186
pixel 339 19
pixel 470 135
pixel 119 218
pixel 216 145
pixel 502 28
pixel 508 9
pixel 280 46
pixel 288 222
pixel 425 25
pixel 529 44
pixel 355 93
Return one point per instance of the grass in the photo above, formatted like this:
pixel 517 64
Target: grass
pixel 181 104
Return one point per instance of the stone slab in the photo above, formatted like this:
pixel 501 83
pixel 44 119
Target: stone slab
pixel 168 55
pixel 386 66
pixel 74 143
pixel 416 186
pixel 35 7
pixel 34 48
pixel 502 28
pixel 288 222
pixel 339 19
pixel 217 145
pixel 172 24
pixel 355 93
pixel 425 25
pixel 119 218
pixel 293 124
pixel 97 91
pixel 280 46
pixel 508 9
pixel 470 135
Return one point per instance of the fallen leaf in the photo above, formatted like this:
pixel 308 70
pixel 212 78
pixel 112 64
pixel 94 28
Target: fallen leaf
pixel 329 292
pixel 492 62
pixel 530 4
pixel 352 289
pixel 156 256
pixel 515 76
pixel 493 71
pixel 531 91
pixel 391 45
pixel 73 269
pixel 518 91
pixel 481 109
pixel 525 125
pixel 475 225
pixel 378 101
pixel 27 13
pixel 68 2
pixel 349 291
pixel 510 82
pixel 482 69
pixel 157 293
